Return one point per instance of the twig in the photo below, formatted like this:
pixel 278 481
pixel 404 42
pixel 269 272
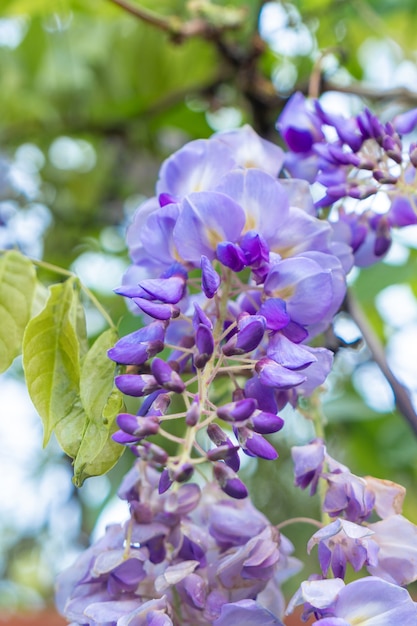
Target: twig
pixel 401 393
pixel 173 26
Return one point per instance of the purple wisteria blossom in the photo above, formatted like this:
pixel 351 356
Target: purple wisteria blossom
pixel 369 601
pixel 236 276
pixel 218 556
pixel 228 262
pixel 360 158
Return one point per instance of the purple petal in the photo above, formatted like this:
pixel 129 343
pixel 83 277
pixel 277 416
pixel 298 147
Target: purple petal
pixel 168 290
pixel 206 219
pixel 231 255
pixel 138 347
pixel 272 374
pixel 266 423
pixel 275 312
pixel 254 190
pixel 229 481
pixel 288 354
pixel 258 446
pixel 156 309
pixel 197 166
pixel 210 280
pixel 136 385
pixel 237 411
pixel 246 613
pixel 166 376
pixel 405 122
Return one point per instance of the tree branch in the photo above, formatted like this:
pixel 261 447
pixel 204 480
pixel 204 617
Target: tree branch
pixel 401 393
pixel 177 29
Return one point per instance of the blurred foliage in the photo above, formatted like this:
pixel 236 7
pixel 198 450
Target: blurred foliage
pixel 100 98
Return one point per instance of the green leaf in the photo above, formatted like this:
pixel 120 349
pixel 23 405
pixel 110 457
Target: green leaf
pixel 51 359
pixel 17 288
pixel 78 320
pixel 102 403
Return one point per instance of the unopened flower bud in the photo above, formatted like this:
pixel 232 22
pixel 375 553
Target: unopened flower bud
pixel 229 481
pixel 237 411
pixel 166 376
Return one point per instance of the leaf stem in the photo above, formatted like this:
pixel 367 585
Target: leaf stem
pixel 63 272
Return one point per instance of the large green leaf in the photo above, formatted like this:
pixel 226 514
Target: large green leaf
pixel 102 402
pixel 17 288
pixel 51 358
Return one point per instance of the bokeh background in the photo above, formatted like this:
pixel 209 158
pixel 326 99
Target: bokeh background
pixel 92 98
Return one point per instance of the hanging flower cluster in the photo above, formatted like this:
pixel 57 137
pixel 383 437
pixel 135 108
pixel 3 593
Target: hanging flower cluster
pixel 359 158
pixel 190 558
pixel 228 264
pixel 234 271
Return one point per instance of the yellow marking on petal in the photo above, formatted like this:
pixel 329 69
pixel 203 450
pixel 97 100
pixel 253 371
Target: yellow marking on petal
pixel 214 237
pixel 284 293
pixel 250 224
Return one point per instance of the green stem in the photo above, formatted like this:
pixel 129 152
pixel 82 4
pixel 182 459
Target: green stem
pixel 63 272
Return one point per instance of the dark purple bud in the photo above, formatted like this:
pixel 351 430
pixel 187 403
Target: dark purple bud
pixel 210 280
pixel 342 157
pixel 136 385
pixel 182 473
pixel 222 453
pixel 169 290
pixel 274 310
pixel 205 346
pixel 405 122
pixel 238 394
pixel 382 245
pixel 159 405
pixel 385 178
pixel 392 149
pixel 255 249
pixel 193 414
pixel 123 438
pixel 200 317
pixel 156 309
pixel 231 255
pixel 229 481
pixel 152 453
pixel 138 347
pixel 216 434
pixel 138 426
pixel 272 374
pixel 165 482
pixel 266 423
pixel 166 376
pixel 237 411
pixel 256 445
pixel 299 127
pixel 361 193
pixel 246 339
pixel 191 551
pixel 219 438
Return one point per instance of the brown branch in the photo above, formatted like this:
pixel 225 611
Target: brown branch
pixel 401 393
pixel 176 28
pixel 371 93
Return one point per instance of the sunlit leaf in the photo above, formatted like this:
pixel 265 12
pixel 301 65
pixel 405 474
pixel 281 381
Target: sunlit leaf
pixel 51 358
pixel 17 288
pixel 102 403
